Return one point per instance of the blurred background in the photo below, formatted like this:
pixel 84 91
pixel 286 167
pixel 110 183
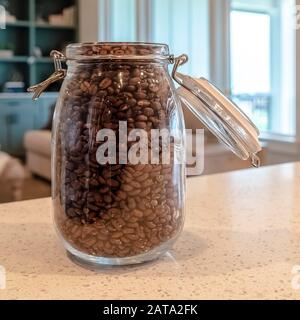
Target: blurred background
pixel 248 48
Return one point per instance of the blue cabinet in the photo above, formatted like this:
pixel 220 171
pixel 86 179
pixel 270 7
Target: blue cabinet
pixel 18 114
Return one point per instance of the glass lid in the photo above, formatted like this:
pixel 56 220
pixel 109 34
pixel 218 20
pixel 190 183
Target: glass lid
pixel 220 115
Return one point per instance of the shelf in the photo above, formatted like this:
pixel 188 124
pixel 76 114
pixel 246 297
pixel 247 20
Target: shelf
pixel 13 59
pixel 29 32
pixel 25 95
pixel 19 23
pixel 23 59
pixel 44 60
pixel 51 26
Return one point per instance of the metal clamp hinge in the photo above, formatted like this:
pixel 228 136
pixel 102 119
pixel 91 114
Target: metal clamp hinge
pixel 58 74
pixel 178 61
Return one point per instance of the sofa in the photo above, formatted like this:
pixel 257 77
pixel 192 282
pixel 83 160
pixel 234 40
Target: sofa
pixel 12 176
pixel 37 144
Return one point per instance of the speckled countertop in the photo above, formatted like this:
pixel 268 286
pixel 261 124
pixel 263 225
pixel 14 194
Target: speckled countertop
pixel 241 240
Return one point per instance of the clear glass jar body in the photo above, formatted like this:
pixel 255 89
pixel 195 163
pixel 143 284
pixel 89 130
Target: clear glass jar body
pixel 117 213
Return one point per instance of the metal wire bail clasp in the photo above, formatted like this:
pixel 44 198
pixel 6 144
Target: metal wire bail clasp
pixel 178 61
pixel 58 74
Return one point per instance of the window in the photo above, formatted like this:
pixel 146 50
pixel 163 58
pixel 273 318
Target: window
pixel 250 61
pixel 260 46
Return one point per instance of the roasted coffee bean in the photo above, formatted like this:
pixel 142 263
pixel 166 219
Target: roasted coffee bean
pixel 144 103
pixel 134 81
pixel 104 190
pixel 132 225
pixel 141 125
pixel 140 95
pixel 137 213
pixel 141 118
pixel 134 192
pixel 107 199
pixel 127 187
pixel 117 234
pixel 122 195
pixel 153 87
pixel 112 183
pixel 114 210
pixel 131 203
pixel 143 177
pixel 145 192
pixel 132 237
pixel 105 83
pixel 135 184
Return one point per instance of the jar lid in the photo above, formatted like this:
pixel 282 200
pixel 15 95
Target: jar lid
pixel 221 116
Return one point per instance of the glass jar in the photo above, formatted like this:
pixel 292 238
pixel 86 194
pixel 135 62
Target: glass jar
pixel 118 196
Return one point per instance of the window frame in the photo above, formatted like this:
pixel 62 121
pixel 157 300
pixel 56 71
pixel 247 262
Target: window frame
pixel 269 8
pixel 274 59
pixel 220 14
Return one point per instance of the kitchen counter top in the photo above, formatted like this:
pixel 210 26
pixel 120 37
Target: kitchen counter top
pixel 241 240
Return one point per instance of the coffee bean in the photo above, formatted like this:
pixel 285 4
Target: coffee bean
pixel 143 177
pixel 128 230
pixel 140 95
pixel 148 112
pixel 141 125
pixel 117 234
pixel 105 83
pixel 121 194
pixel 134 81
pixel 151 217
pixel 153 87
pixel 112 183
pixel 134 192
pixel 141 118
pixel 147 183
pixel 137 213
pixel 145 192
pixel 135 184
pixel 114 212
pixel 127 187
pixel 132 237
pixel 131 203
pixel 144 103
pixel 132 225
pixel 90 242
pixel 104 189
pixel 107 199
